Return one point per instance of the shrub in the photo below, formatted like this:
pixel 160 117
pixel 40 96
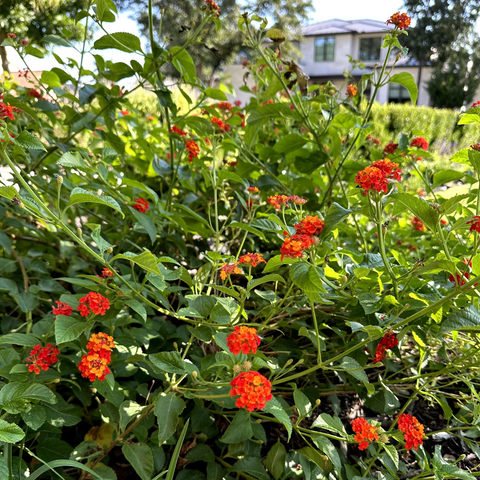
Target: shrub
pixel 226 292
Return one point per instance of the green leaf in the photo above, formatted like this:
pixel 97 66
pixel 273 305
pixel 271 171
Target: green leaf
pixel 474 159
pixel 14 396
pixel 392 453
pixel 216 94
pixel 102 244
pixel 327 447
pixel 240 429
pixel 183 62
pixel 302 402
pixel 252 466
pixel 420 208
pixel 8 192
pixel 167 410
pixel 446 176
pixel 146 222
pixel 315 456
pixel 25 340
pixel 26 301
pixel 126 42
pixel 335 215
pixel 176 453
pixel 50 78
pixel 354 369
pixel 140 457
pixel 406 79
pixel 370 302
pixel 276 262
pixel 10 433
pixel 327 422
pixel 307 278
pixel 79 195
pixel 48 467
pixel 35 417
pixel 136 306
pixel 248 228
pixel 195 215
pixel 73 160
pixel 467 319
pixel 170 362
pixel 56 40
pixel 133 183
pixel 272 277
pixel 275 460
pixel 30 141
pixel 274 407
pixel 289 143
pixel 461 156
pixel 145 260
pixel 68 329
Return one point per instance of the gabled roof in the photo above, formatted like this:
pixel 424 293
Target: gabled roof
pixel 336 26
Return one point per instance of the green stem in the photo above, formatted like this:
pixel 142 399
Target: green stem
pixel 83 49
pixel 314 317
pixel 7 452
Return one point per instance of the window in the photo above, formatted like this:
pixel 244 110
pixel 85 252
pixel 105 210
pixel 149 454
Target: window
pixel 398 94
pixel 325 49
pixel 370 48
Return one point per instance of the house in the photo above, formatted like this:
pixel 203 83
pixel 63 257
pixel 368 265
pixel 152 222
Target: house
pixel 327 47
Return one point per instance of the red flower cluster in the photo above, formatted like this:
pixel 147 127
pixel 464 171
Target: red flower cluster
pixel 310 226
pixel 364 432
pixel 220 124
pixel 351 91
pixel 107 273
pixel 11 35
pixel 42 358
pixel 34 93
pixel 228 269
pixel 252 259
pixel 417 224
pixel 373 140
pixel 62 309
pixel 461 279
pixel 6 111
pixel 419 142
pixel 192 148
pixel 141 205
pixel 95 363
pixel 295 199
pixel 24 42
pixel 278 201
pixel 243 339
pixel 237 103
pixel 254 390
pixel 390 148
pixel 445 222
pixel 400 20
pixel 377 176
pixel 475 147
pixel 253 189
pixel 125 113
pixel 93 302
pixel 474 224
pixel 389 341
pixel 177 130
pixel 295 245
pixel 227 106
pixel 214 8
pixel 413 431
pixel 476 104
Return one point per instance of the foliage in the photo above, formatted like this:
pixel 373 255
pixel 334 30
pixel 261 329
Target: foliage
pixel 153 262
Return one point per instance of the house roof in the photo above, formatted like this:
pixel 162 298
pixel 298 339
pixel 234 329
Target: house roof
pixel 336 26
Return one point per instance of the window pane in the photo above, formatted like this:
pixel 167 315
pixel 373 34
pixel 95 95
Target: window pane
pixel 370 48
pixel 324 49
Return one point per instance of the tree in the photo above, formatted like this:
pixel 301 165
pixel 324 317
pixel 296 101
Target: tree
pixel 443 36
pixel 223 45
pixel 34 19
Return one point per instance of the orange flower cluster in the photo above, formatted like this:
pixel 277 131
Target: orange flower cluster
pixel 35 93
pixel 141 205
pixel 62 309
pixel 373 140
pixel 220 124
pixel 474 224
pixel 390 148
pixel 254 389
pixel 107 273
pixel 6 111
pixel 252 259
pixel 214 8
pixel 351 91
pixel 278 201
pixel 310 226
pixel 243 339
pixel 389 341
pixel 475 147
pixel 95 363
pixel 192 148
pixel 42 358
pixel 295 245
pixel 228 269
pixel 253 189
pixel 419 142
pixel 365 432
pixel 227 106
pixel 125 113
pixel 377 176
pixel 400 20
pixel 413 431
pixel 418 225
pixel 178 131
pixel 93 302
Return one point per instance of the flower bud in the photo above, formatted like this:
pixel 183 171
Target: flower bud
pixel 383 438
pixel 247 365
pixel 109 250
pixel 79 232
pixel 237 369
pixel 175 346
pixel 194 374
pixel 288 362
pixel 317 402
pixel 59 179
pixel 316 241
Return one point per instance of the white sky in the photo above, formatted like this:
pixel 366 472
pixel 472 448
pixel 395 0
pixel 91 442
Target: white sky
pixel 325 10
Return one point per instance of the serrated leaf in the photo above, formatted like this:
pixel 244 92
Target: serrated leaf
pixel 170 362
pixel 274 407
pixel 125 42
pixel 30 141
pixel 275 460
pixel 10 433
pixel 140 458
pixel 272 277
pixel 336 214
pixel 251 466
pixel 327 422
pixel 467 319
pixel 79 195
pixel 68 329
pixel 240 429
pixel 167 410
pixel 145 260
pixel 25 340
pixel 420 208
pixel 354 368
pixel 136 306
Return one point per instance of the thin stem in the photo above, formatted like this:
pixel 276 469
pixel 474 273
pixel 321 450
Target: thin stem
pixel 314 316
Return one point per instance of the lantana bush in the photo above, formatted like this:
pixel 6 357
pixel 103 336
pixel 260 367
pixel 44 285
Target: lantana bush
pixel 216 290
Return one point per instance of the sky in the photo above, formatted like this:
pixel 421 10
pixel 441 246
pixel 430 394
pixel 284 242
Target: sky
pixel 324 10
